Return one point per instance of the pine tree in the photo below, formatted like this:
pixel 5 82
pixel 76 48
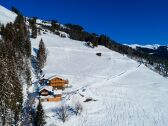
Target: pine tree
pixel 39 118
pixel 54 25
pixel 41 55
pixel 15 10
pixel 15 49
pixel 33 26
pixel 22 41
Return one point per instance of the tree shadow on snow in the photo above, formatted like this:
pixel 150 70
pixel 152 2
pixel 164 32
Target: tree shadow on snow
pixel 35 50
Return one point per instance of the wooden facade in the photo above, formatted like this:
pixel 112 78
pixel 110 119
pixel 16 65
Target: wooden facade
pixel 51 91
pixel 55 99
pixel 58 83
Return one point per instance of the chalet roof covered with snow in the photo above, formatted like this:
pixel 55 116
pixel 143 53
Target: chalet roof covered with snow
pixel 48 88
pixel 56 76
pixel 57 92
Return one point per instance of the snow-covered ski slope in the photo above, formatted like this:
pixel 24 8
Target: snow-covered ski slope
pixel 125 92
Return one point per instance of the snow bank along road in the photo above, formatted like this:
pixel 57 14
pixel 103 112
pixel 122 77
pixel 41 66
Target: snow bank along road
pixel 126 94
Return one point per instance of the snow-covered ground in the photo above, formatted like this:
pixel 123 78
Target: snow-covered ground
pixel 6 15
pixel 125 93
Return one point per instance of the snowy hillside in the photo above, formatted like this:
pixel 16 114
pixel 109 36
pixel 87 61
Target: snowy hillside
pixel 6 16
pixel 122 91
pixel 125 93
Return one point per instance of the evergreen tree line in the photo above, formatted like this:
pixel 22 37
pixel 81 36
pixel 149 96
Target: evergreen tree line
pixel 77 32
pixel 15 53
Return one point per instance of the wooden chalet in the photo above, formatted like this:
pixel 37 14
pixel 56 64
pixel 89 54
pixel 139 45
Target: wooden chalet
pixel 58 82
pixel 53 91
pixel 57 96
pixel 46 90
pixel 48 94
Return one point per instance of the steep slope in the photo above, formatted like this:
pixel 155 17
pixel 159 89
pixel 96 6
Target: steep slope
pixel 15 50
pixel 6 15
pixel 125 93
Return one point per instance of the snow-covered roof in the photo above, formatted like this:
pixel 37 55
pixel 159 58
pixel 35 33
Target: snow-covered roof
pixel 57 92
pixel 56 76
pixel 48 88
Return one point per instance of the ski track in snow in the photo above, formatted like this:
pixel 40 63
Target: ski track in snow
pixel 122 110
pixel 126 93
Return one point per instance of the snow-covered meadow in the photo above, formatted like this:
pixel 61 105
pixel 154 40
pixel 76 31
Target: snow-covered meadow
pixel 124 92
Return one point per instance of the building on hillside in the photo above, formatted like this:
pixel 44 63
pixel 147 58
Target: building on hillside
pixel 52 87
pixel 48 94
pixel 57 96
pixel 46 90
pixel 58 82
pixel 57 93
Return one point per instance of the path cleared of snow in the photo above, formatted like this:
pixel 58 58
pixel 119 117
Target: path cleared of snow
pixel 125 92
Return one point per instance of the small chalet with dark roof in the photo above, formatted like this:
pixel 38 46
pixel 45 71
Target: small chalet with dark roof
pixel 46 90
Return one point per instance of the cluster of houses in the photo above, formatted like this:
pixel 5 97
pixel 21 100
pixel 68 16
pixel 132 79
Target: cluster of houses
pixel 51 88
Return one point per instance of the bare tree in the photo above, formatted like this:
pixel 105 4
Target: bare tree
pixel 78 108
pixel 63 113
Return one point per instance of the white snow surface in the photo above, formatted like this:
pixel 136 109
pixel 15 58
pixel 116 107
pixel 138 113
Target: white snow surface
pixel 6 16
pixel 125 92
pixel 57 92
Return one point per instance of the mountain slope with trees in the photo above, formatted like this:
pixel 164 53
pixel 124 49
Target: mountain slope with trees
pixel 15 72
pixel 110 79
pixel 77 32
